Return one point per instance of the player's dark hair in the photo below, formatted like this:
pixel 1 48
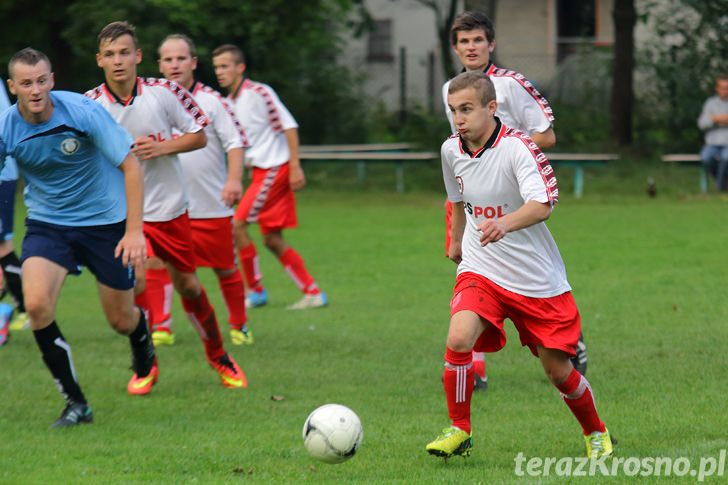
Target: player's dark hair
pixel 472 20
pixel 28 56
pixel 477 80
pixel 236 51
pixel 721 77
pixel 115 30
pixel 190 43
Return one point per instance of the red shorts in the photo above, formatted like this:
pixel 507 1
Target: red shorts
pixel 269 200
pixel 213 241
pixel 171 241
pixel 552 323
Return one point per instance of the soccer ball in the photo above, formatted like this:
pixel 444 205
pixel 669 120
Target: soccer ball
pixel 332 433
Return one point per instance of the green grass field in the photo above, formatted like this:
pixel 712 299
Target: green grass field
pixel 649 276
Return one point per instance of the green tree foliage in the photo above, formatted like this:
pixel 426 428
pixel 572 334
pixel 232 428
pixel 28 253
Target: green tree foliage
pixel 293 46
pixel 677 68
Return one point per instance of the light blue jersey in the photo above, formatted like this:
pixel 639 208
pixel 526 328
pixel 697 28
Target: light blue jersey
pixel 10 170
pixel 70 162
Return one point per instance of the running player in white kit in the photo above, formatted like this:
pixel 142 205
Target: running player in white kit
pixel 269 200
pixel 520 106
pixel 214 187
pixel 150 110
pixel 502 188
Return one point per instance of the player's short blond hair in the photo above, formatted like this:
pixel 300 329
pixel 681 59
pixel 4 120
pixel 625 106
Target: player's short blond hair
pixel 236 52
pixel 29 57
pixel 114 30
pixel 477 80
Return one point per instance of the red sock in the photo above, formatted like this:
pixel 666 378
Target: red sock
pixel 458 379
pixel 159 295
pixel 251 267
pixel 577 394
pixel 233 292
pixel 202 316
pixel 141 300
pixel 294 265
pixel 479 364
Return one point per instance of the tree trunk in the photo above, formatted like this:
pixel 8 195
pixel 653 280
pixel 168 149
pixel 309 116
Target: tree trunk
pixel 622 101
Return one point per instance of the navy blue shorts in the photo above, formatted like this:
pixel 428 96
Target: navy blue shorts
pixel 75 247
pixel 7 208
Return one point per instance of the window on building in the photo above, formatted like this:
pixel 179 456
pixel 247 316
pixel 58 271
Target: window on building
pixel 380 42
pixel 577 25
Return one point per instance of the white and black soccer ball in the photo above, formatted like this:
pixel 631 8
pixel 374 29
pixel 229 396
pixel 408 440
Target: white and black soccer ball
pixel 332 433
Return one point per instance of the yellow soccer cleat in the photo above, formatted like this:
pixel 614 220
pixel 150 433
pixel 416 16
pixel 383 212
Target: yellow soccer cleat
pixel 21 321
pixel 599 444
pixel 452 441
pixel 241 337
pixel 162 337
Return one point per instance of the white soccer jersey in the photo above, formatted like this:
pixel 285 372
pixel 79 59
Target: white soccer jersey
pixel 204 171
pixel 520 105
pixel 156 108
pixel 264 118
pixel 496 180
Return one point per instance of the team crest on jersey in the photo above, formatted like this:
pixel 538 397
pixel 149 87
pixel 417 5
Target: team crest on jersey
pixel 459 180
pixel 69 146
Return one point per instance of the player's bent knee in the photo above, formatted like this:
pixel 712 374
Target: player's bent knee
pixel 459 342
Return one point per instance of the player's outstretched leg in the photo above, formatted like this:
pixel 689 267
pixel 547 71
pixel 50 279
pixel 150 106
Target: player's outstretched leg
pixel 11 270
pixel 233 292
pixel 159 295
pixel 458 380
pixel 480 375
pixel 144 360
pixel 57 356
pixel 577 395
pixel 313 297
pixel 257 296
pixel 202 316
pixel 579 361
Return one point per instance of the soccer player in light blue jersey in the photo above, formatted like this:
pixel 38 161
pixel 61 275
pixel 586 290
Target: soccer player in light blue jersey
pixel 84 196
pixel 8 258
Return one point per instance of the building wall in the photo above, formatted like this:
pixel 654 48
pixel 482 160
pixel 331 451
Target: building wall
pixel 526 37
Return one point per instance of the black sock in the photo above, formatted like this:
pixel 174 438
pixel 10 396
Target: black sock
pixel 11 268
pixel 142 348
pixel 57 357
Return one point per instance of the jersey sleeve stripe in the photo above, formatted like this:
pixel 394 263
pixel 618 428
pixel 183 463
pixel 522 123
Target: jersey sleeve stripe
pixel 544 167
pixel 183 96
pixel 530 89
pixel 228 110
pixel 273 115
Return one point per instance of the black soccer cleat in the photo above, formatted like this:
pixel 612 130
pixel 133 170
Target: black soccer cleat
pixel 74 414
pixel 579 361
pixel 481 384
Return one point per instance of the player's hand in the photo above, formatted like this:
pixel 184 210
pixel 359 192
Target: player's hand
pixel 231 192
pixel 146 147
pixel 491 230
pixel 455 252
pixel 133 249
pixel 296 178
